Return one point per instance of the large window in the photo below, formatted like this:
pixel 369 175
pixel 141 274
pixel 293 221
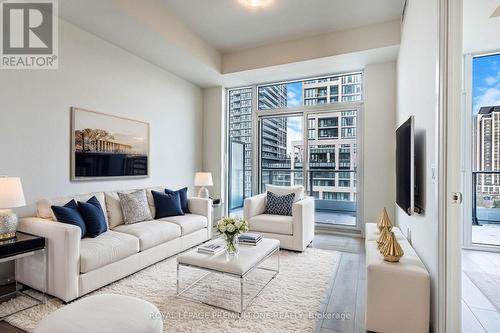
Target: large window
pixel 323 90
pixel 486 150
pixel 240 133
pixel 312 146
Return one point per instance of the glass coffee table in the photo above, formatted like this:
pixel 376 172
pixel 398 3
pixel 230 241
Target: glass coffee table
pixel 248 259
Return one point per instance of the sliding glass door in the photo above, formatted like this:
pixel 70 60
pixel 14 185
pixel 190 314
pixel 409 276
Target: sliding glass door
pixel 482 153
pixel 332 165
pixel 281 151
pixel 325 162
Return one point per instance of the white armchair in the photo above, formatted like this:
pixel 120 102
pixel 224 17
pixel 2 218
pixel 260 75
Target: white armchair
pixel 294 232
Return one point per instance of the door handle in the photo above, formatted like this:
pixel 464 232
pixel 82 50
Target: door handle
pixel 456 197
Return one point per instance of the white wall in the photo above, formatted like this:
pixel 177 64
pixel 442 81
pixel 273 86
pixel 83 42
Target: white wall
pixel 480 31
pixel 214 140
pixel 96 75
pixel 417 95
pixel 379 150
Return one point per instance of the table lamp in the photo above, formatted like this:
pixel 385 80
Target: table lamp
pixel 203 179
pixel 11 196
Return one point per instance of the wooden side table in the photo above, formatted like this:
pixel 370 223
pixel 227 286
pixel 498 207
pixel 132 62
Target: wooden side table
pixel 24 245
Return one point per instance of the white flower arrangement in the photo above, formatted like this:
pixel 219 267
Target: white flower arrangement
pixel 231 227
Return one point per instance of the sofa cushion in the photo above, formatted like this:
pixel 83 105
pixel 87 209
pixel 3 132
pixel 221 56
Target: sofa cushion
pixel 135 207
pixel 70 214
pixel 189 222
pixel 151 233
pixel 183 196
pixel 151 201
pixel 167 204
pixel 93 215
pixel 105 249
pixel 44 210
pixel 275 224
pixel 283 190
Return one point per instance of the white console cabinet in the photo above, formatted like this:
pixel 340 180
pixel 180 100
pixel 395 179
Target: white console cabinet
pixel 397 294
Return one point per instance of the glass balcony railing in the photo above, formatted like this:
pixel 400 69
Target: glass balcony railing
pixel 486 207
pixel 485 197
pixel 335 203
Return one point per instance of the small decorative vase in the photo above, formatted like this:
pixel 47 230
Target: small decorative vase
pixel 232 244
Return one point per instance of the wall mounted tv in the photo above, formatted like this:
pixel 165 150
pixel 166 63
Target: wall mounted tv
pixel 406 191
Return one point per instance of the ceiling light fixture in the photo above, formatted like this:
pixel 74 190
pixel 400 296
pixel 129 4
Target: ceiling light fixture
pixel 256 3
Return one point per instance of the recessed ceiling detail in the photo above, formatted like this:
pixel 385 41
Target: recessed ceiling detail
pixel 229 26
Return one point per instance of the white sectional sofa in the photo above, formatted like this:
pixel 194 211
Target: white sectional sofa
pixel 78 266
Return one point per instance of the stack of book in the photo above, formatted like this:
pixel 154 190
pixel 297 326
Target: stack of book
pixel 211 248
pixel 249 239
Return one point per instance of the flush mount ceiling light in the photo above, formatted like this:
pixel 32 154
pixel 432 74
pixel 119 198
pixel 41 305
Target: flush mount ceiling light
pixel 496 13
pixel 256 3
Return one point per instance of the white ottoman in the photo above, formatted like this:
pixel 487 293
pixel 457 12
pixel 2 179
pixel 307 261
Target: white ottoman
pixel 104 314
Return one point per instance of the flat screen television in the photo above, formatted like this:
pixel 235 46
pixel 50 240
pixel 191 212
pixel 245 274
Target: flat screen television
pixel 405 167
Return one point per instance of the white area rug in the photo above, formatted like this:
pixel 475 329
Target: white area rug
pixel 287 304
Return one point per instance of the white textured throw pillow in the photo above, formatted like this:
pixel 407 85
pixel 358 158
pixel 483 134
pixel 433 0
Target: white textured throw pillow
pixel 284 190
pixel 135 207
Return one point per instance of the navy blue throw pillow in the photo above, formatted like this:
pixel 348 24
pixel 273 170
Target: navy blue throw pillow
pixel 93 215
pixel 167 204
pixel 69 214
pixel 183 195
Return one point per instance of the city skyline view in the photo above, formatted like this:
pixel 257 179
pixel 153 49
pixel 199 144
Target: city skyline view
pixel 329 135
pixel 485 81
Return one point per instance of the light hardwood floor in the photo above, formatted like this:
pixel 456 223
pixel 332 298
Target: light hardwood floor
pixel 345 295
pixel 479 315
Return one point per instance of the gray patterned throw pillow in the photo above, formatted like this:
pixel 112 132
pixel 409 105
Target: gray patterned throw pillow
pixel 279 205
pixel 135 207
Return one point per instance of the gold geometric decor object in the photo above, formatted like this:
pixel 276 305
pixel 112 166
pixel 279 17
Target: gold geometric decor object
pixel 383 237
pixel 391 250
pixel 384 221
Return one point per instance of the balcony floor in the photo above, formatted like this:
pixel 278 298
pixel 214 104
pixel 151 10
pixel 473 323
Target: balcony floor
pixel 486 233
pixel 339 218
pixel 322 217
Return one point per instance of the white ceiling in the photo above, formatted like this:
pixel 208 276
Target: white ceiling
pixel 187 37
pixel 228 26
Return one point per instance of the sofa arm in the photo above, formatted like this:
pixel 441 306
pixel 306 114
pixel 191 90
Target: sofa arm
pixel 63 254
pixel 201 206
pixel 303 223
pixel 254 206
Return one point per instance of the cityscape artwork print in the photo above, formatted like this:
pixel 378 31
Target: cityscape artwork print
pixel 107 146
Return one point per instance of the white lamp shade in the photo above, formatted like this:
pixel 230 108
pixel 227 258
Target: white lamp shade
pixel 203 179
pixel 11 193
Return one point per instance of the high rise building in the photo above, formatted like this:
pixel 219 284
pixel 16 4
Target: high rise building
pixel 274 137
pixel 274 132
pixel 332 155
pixel 240 131
pixel 326 90
pixel 487 155
pixel 272 96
